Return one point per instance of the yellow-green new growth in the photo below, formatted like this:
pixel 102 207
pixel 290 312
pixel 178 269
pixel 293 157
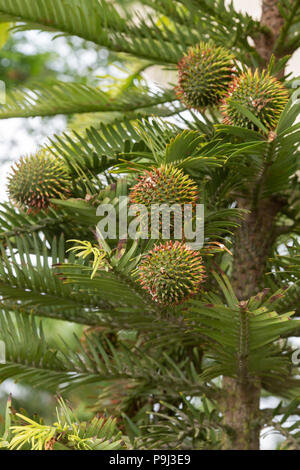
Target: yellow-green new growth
pixel 68 433
pixel 83 249
pixel 36 179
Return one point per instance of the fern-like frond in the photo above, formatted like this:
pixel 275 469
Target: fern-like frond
pixel 97 150
pixel 162 37
pixel 213 19
pixel 243 336
pixel 29 284
pixel 71 98
pixel 67 433
pixel 15 223
pixel 29 359
pixel 194 424
pixel 100 22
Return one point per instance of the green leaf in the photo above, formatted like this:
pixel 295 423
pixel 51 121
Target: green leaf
pixel 4 33
pixel 243 336
pixel 67 433
pixel 182 146
pixel 249 115
pixel 290 113
pixel 70 98
pixel 29 359
pixel 100 22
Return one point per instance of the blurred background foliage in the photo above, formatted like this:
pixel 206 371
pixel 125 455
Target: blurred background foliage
pixel 29 58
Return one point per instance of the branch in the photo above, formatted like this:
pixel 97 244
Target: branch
pixel 273 22
pixel 267 414
pixel 72 98
pixel 280 48
pixel 286 229
pixel 285 432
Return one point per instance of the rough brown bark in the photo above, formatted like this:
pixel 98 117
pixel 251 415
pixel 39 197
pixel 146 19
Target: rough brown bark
pixel 240 408
pixel 240 404
pixel 253 240
pixel 273 21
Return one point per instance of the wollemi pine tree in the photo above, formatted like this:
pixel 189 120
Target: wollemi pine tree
pixel 179 345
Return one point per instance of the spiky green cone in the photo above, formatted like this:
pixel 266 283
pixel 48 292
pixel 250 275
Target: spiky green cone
pixel 261 94
pixel 204 75
pixel 36 179
pixel 165 185
pixel 171 273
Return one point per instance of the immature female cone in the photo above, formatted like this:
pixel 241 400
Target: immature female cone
pixel 204 75
pixel 171 273
pixel 36 179
pixel 165 185
pixel 261 94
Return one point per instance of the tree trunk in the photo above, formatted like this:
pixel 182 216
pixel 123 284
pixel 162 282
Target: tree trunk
pixel 240 404
pixel 253 240
pixel 272 19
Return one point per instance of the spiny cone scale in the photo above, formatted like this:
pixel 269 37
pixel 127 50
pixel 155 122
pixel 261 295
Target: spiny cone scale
pixel 164 185
pixel 261 93
pixel 171 273
pixel 204 75
pixel 36 179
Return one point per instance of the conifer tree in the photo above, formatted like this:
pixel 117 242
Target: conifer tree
pixel 179 345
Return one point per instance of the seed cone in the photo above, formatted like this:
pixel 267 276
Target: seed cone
pixel 171 273
pixel 261 94
pixel 164 185
pixel 36 179
pixel 204 75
